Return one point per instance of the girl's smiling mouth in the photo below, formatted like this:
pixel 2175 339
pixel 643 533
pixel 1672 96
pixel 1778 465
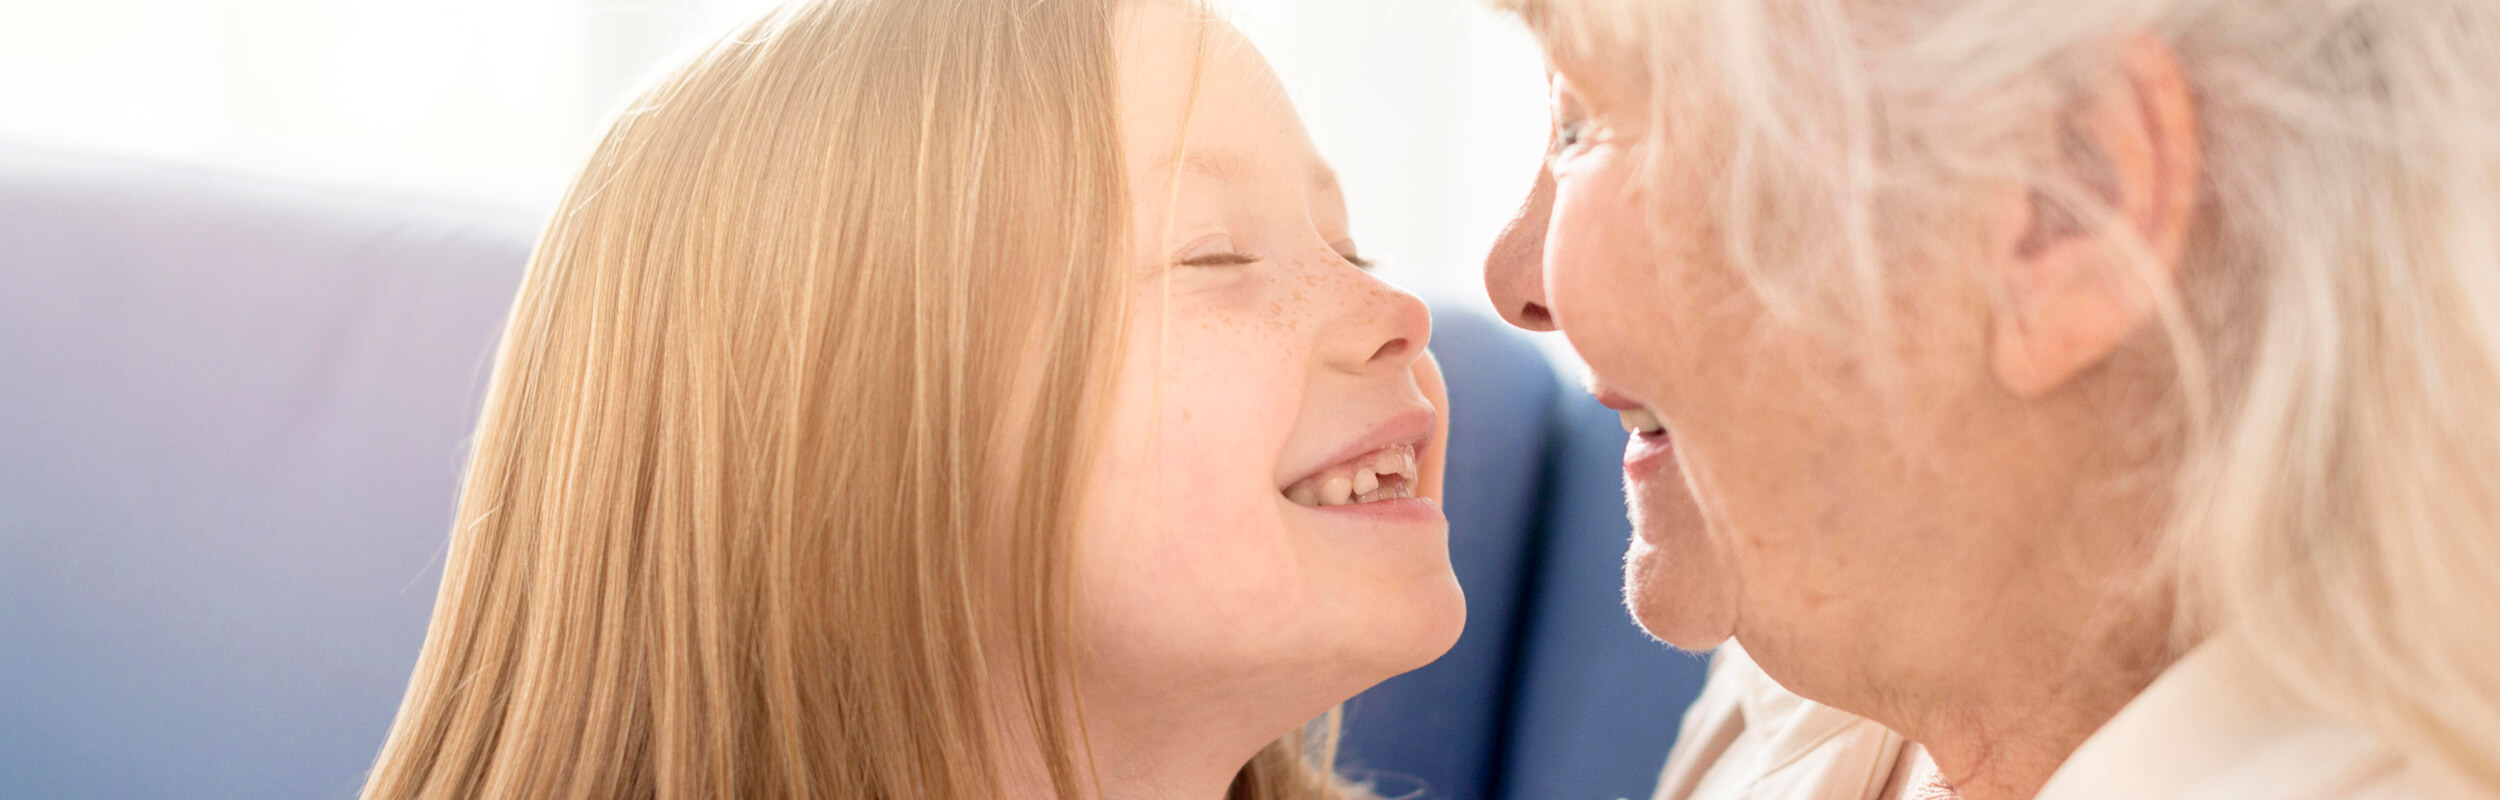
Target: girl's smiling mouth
pixel 1388 473
pixel 1383 465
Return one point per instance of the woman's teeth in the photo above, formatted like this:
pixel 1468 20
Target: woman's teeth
pixel 1642 421
pixel 1386 474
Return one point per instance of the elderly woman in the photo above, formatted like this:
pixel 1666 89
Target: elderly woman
pixel 2104 396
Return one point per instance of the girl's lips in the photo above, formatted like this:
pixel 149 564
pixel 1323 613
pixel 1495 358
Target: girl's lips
pixel 1399 511
pixel 1411 428
pixel 1383 474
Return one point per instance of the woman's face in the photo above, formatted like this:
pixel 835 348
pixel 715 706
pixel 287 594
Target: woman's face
pixel 1845 510
pixel 1257 544
pixel 1628 293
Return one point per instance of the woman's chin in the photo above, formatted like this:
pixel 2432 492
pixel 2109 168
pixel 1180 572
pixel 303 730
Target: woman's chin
pixel 1687 611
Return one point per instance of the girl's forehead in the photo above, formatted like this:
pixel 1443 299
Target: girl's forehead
pixel 1196 99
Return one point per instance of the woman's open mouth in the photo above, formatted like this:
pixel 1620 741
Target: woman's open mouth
pixel 1650 445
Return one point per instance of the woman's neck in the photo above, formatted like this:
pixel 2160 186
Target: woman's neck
pixel 1999 732
pixel 2073 628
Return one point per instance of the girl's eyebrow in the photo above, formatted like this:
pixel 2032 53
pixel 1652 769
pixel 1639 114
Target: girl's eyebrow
pixel 1323 179
pixel 1218 165
pixel 1228 166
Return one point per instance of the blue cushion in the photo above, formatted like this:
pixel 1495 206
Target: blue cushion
pixel 1599 700
pixel 1553 691
pixel 230 435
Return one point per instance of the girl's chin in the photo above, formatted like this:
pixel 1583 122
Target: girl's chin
pixel 1427 625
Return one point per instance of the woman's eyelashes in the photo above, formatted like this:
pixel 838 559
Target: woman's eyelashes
pixel 1571 135
pixel 1568 134
pixel 1571 123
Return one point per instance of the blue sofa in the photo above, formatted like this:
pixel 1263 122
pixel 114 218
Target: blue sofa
pixel 232 415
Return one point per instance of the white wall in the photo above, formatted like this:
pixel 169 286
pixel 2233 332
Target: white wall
pixel 1432 110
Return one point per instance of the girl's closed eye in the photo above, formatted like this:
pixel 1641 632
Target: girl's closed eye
pixel 1214 251
pixel 1219 251
pixel 1235 259
pixel 1346 251
pixel 1225 259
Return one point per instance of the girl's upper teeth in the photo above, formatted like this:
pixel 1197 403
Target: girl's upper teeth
pixel 1336 491
pixel 1384 475
pixel 1303 494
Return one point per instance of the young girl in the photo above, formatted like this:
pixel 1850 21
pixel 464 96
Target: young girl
pixel 940 399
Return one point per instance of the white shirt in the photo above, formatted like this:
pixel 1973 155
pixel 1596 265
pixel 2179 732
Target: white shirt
pixel 2203 732
pixel 2197 733
pixel 1746 738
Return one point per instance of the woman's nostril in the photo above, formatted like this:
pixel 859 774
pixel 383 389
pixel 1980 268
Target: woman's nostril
pixel 1537 317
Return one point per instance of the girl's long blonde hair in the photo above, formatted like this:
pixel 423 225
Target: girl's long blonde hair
pixel 736 522
pixel 2336 334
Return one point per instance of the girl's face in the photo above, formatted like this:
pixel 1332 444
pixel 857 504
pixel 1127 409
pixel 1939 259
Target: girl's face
pixel 1262 537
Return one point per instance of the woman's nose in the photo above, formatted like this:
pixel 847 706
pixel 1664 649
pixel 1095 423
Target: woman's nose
pixel 1514 272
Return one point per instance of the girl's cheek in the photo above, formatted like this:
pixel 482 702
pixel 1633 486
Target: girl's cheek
pixel 1428 377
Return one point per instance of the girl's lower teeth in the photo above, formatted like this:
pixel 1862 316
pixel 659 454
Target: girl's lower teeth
pixel 1339 492
pixel 1384 493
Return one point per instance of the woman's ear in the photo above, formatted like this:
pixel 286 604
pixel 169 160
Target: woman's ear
pixel 2070 288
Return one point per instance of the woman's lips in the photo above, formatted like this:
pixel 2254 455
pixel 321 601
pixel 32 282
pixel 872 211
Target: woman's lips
pixel 1649 445
pixel 1645 453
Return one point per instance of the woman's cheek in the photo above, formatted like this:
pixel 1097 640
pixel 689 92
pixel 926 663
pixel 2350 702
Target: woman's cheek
pixel 1572 277
pixel 1600 270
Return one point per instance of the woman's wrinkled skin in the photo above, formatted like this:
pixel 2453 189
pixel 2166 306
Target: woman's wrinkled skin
pixel 1953 541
